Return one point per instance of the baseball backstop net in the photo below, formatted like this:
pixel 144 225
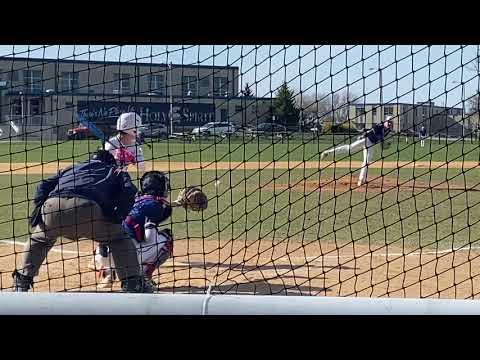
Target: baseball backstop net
pixel 248 125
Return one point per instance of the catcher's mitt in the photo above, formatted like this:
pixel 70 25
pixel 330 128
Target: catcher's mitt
pixel 192 198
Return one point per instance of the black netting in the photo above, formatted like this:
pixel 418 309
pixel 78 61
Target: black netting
pixel 311 191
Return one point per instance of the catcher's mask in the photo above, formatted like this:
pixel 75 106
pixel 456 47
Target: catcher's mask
pixel 104 156
pixel 155 183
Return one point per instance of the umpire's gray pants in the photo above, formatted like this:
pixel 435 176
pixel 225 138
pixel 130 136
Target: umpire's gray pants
pixel 78 218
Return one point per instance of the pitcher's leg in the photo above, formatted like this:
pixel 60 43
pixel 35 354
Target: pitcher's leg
pixel 344 149
pixel 367 158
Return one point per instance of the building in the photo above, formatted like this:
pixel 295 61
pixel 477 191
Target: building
pixel 41 96
pixel 410 117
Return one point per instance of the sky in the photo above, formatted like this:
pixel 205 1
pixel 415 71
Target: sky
pixel 438 73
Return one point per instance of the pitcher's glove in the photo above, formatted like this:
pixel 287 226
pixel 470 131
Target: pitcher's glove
pixel 191 198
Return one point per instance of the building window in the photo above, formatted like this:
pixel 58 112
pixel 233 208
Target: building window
pixel 360 110
pixel 16 107
pixel 388 110
pixel 374 111
pixel 34 111
pixel 69 81
pixel 13 75
pixel 205 86
pixel 220 86
pixel 238 108
pixel 189 85
pixel 157 84
pixel 32 80
pixel 223 115
pixel 35 107
pixel 121 83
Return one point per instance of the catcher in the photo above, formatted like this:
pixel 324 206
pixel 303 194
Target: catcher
pixel 370 137
pixel 151 208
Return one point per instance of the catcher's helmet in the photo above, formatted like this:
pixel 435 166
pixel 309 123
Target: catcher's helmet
pixel 104 156
pixel 155 183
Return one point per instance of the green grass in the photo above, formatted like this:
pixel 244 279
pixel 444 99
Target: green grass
pixel 243 208
pixel 307 149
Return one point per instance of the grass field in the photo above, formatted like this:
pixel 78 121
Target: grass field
pixel 258 204
pixel 307 149
pixel 273 231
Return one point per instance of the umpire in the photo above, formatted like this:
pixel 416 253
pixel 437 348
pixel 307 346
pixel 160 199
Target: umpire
pixel 87 200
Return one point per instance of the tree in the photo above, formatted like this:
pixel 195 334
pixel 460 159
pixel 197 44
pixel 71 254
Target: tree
pixel 284 107
pixel 247 91
pixel 333 107
pixel 474 101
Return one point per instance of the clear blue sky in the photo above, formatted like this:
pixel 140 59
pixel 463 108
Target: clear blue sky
pixel 411 73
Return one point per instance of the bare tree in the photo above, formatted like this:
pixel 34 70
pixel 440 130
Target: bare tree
pixel 318 107
pixel 474 101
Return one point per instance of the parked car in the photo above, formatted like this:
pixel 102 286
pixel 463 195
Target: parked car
pixel 154 131
pixel 215 129
pixel 79 133
pixel 269 129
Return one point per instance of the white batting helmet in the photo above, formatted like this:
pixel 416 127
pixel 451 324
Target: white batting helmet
pixel 129 123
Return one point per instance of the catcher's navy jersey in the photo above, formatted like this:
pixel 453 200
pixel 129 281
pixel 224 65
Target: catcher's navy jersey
pixel 146 207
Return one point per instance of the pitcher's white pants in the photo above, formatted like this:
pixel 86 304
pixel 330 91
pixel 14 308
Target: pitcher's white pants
pixel 352 148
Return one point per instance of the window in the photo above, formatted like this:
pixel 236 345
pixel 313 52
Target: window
pixel 32 80
pixel 189 85
pixel 374 111
pixel 35 107
pixel 69 81
pixel 157 84
pixel 360 110
pixel 223 115
pixel 388 110
pixel 205 86
pixel 220 86
pixel 16 107
pixel 121 83
pixel 13 75
pixel 238 108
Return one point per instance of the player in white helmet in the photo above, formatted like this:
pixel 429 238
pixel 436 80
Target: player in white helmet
pixel 126 149
pixel 366 142
pixel 125 146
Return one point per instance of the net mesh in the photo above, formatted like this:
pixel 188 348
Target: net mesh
pixel 309 192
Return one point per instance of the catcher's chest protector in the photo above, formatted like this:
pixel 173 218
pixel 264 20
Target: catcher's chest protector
pixel 155 209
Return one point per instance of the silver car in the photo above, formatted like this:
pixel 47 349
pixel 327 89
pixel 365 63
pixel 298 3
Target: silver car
pixel 214 129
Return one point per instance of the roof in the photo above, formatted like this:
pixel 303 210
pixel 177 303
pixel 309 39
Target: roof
pixel 131 63
pixel 409 104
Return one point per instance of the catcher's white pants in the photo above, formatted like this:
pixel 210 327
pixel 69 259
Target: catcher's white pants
pixel 152 252
pixel 352 148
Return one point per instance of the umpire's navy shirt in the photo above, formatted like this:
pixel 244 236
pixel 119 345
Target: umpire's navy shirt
pixel 106 185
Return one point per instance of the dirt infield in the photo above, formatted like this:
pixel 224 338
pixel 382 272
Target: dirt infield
pixel 381 184
pixel 262 268
pixel 51 168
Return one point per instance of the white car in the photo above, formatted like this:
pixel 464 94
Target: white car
pixel 215 129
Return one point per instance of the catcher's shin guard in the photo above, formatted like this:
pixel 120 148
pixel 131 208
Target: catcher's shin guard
pixel 21 283
pixel 153 256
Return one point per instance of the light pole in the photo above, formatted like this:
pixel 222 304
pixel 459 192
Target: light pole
pixel 22 100
pixel 171 98
pixel 50 95
pixel 380 86
pixel 463 112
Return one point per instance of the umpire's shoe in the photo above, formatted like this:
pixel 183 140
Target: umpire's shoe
pixel 137 284
pixel 21 283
